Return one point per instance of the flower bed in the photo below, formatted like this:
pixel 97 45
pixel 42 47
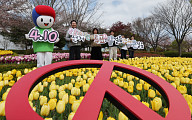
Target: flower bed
pixel 59 57
pixel 59 95
pixel 5 52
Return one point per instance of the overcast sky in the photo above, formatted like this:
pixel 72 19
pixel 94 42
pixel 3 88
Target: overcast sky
pixel 125 10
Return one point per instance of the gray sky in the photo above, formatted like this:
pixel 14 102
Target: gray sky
pixel 125 10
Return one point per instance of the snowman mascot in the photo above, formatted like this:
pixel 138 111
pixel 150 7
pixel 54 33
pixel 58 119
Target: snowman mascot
pixel 42 35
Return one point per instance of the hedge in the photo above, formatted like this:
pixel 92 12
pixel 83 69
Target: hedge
pixel 176 54
pixel 4 68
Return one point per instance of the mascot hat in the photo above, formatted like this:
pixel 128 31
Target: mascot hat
pixel 42 10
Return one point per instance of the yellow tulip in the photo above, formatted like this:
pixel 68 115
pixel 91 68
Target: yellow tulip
pixel 52 87
pixel 174 85
pixel 19 78
pixel 124 75
pixel 65 98
pixel 34 108
pixel 52 78
pixel 61 88
pixel 125 85
pixel 4 96
pixel 100 116
pixel 10 77
pixel 40 88
pixel 158 93
pixel 131 83
pixel 146 86
pixel 53 94
pixel 182 89
pixel 52 103
pixel 72 99
pixel 151 93
pixel 188 98
pixel 18 74
pixel 1 88
pixel 30 97
pixel 156 104
pixel 74 91
pixel 6 82
pixel 48 119
pixel 78 78
pixel 84 77
pixel 122 116
pixel 129 78
pixel 78 91
pixel 75 106
pixel 26 71
pixel 61 94
pixel 31 104
pixel 71 115
pixel 121 83
pixel 90 81
pixel 139 87
pixel 13 72
pixel 66 86
pixel 43 99
pixel 190 81
pixel 145 103
pixel 2 108
pixel 2 83
pixel 35 95
pixel 61 77
pixel 60 106
pixel 190 107
pixel 166 111
pixel 72 81
pixel 137 97
pixel 77 84
pixel 85 87
pixel 116 82
pixel 45 109
pixel 70 86
pixel 11 83
pixel 177 82
pixel 83 82
pixel 34 68
pixel 45 84
pixel 110 118
pixel 81 98
pixel 142 82
pixel 130 89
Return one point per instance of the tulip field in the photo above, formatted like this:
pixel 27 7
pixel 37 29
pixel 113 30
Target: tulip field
pixel 33 58
pixel 58 96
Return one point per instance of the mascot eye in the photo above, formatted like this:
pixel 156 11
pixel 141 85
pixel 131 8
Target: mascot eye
pixel 50 20
pixel 41 19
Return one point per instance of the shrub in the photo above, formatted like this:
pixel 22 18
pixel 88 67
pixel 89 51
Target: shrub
pixel 176 54
pixel 171 53
pixel 4 68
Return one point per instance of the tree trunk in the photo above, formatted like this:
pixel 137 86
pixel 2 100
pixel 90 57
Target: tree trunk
pixel 179 49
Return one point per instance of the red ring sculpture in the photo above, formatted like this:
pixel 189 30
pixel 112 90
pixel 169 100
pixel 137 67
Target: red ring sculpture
pixel 17 106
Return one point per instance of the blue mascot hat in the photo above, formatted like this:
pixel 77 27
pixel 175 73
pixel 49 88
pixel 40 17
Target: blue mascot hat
pixel 35 15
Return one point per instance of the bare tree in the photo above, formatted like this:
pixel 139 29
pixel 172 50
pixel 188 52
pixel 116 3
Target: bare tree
pixel 188 45
pixel 141 29
pixel 156 32
pixel 11 13
pixel 5 42
pixel 176 15
pixel 151 30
